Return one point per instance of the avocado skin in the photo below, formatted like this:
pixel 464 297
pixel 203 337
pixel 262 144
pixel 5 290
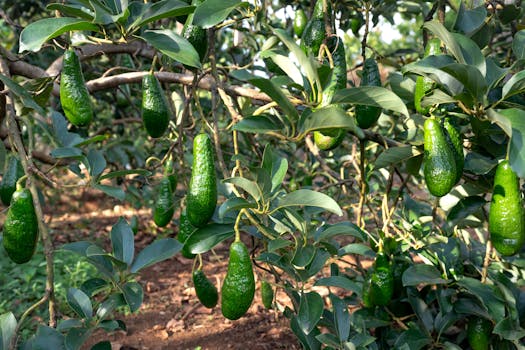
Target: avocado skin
pixel 440 164
pixel 267 294
pixel 328 139
pixel 185 231
pixel 74 95
pixel 455 142
pixel 205 290
pixel 479 331
pixel 21 227
pixel 197 36
pixel 299 22
pixel 238 288
pixel 201 199
pixel 506 215
pixel 164 206
pixel 367 116
pixel 13 172
pixel 315 31
pixel 424 84
pixel 378 291
pixel 155 111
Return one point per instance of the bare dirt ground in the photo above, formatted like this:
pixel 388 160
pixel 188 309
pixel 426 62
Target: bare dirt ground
pixel 171 316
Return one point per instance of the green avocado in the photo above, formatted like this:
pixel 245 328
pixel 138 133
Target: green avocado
pixel 205 290
pixel 185 231
pixel 299 22
pixel 197 36
pixel 440 163
pixel 266 294
pixel 12 173
pixel 202 192
pixel 379 289
pixel 328 139
pixel 155 110
pixel 314 32
pixel 74 95
pixel 368 115
pixel 238 288
pixel 423 84
pixel 455 142
pixel 506 221
pixel 479 331
pixel 165 204
pixel 21 227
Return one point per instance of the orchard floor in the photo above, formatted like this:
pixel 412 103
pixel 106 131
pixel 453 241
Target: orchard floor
pixel 171 316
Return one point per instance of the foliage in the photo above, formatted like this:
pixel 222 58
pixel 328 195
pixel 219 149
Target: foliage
pixel 355 221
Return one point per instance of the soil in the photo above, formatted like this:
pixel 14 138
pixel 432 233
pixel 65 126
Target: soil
pixel 171 316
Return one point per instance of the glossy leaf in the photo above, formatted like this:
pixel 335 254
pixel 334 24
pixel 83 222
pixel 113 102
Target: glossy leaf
pixel 172 45
pixel 157 251
pixel 207 237
pixel 356 248
pixel 76 337
pixel 470 77
pixel 514 85
pixel 328 118
pixel 80 303
pixel 341 318
pixel 22 94
pixel 486 294
pixel 134 295
pixel 259 124
pixel 71 11
pixel 308 340
pixel 310 310
pixel 112 191
pixel 371 96
pixel 151 12
pixel 7 329
pixel 122 240
pixel 465 207
pixel 518 44
pixel 309 198
pixel 468 20
pixel 97 162
pixel 47 338
pixel 422 274
pixel 395 155
pixel 249 186
pixel 275 165
pixel 340 282
pixel 37 33
pixel 277 95
pixel 235 203
pixel 103 345
pixel 447 38
pixel 212 12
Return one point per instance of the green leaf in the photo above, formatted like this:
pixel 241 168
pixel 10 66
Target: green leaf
pixel 508 329
pixel 514 85
pixel 310 310
pixel 277 244
pixel 157 251
pixel 97 162
pixel 72 11
pixel 447 38
pixel 122 240
pixel 277 95
pixel 150 12
pixel 235 203
pixel 518 44
pixel 259 124
pixel 341 318
pixel 413 339
pixel 309 341
pixel 512 121
pixel 47 338
pixel 205 238
pixel 329 117
pixel 275 165
pixel 340 282
pixel 66 152
pixel 309 198
pixel 303 255
pixel 133 294
pixel 103 345
pixel 468 20
pixel 465 207
pixel 395 155
pixel 356 249
pixel 212 12
pixel 93 285
pixel 22 94
pixel 249 186
pixel 80 303
pixel 172 45
pixel 7 329
pixel 486 294
pixel 422 274
pixel 76 337
pixel 471 53
pixel 470 77
pixel 479 164
pixel 287 65
pixel 37 33
pixel 372 96
pixel 121 173
pixel 65 325
pixel 430 67
pixel 115 192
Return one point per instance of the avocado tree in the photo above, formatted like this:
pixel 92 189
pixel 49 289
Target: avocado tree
pixel 376 184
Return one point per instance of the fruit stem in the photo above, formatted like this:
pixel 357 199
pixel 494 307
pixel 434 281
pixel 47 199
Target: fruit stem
pixel 236 226
pixel 362 182
pixel 152 68
pixel 20 182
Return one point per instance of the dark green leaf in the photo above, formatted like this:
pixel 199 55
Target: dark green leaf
pixel 66 152
pixel 340 282
pixel 76 337
pixel 97 162
pixel 235 203
pixel 276 166
pixel 259 124
pixel 122 240
pixel 486 294
pixel 207 237
pixel 303 255
pixel 93 285
pixel 249 186
pixel 71 11
pixel 508 329
pixel 342 228
pixel 412 339
pixel 121 173
pixel 47 338
pixel 277 244
pixel 479 164
pixel 277 95
pixel 514 85
pixel 465 207
pixel 309 198
pixel 356 248
pixel 64 325
pixel 157 251
pixel 470 77
pixel 341 318
pixel 310 310
pixel 212 12
pixel 172 45
pixel 372 96
pixel 422 274
pixel 468 20
pixel 22 94
pixel 37 33
pixel 80 303
pixel 308 340
pixel 330 117
pixel 115 192
pixel 518 44
pixel 133 294
pixel 150 12
pixel 395 155
pixel 103 345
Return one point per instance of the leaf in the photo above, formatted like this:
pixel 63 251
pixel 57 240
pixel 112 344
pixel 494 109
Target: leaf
pixel 356 248
pixel 259 124
pixel 430 67
pixel 340 282
pixel 447 38
pixel 372 96
pixel 133 294
pixel 276 166
pixel 109 305
pixel 122 173
pixel 72 11
pixel 249 186
pixel 465 207
pixel 172 45
pixel 470 77
pixel 115 192
pixel 479 164
pixel 277 244
pixel 212 12
pixel 309 198
pixel 518 44
pixel 47 338
pixel 22 94
pixel 103 345
pixel 329 117
pixel 486 294
pixel 93 285
pixel 514 85
pixel 468 20
pixel 66 152
pixel 235 203
pixel 205 238
pixel 157 251
pixel 341 318
pixel 76 337
pixel 310 310
pixel 122 240
pixel 97 162
pixel 37 33
pixel 395 155
pixel 512 121
pixel 64 325
pixel 308 340
pixel 287 65
pixel 80 303
pixel 422 274
pixel 7 329
pixel 151 12
pixel 508 329
pixel 303 255
pixel 277 95
pixel 341 228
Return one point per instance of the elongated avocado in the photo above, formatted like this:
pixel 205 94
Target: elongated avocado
pixel 238 288
pixel 440 163
pixel 185 231
pixel 267 294
pixel 379 289
pixel 315 31
pixel 12 173
pixel 456 144
pixel 423 84
pixel 506 221
pixel 155 111
pixel 165 204
pixel 21 227
pixel 197 36
pixel 299 22
pixel 205 290
pixel 202 192
pixel 368 115
pixel 479 331
pixel 74 95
